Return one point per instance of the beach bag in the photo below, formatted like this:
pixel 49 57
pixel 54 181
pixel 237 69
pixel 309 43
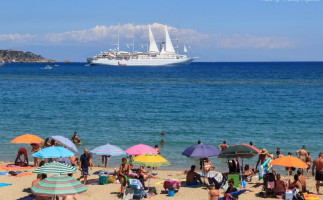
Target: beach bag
pixel 289 194
pixel 112 179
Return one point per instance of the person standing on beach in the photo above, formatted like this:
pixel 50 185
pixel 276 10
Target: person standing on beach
pixel 22 151
pixel 302 153
pixel 85 161
pixel 223 146
pixel 318 165
pixel 263 156
pixel 35 148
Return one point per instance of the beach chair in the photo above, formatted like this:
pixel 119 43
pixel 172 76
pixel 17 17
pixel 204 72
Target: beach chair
pixel 235 177
pixel 135 190
pixel 217 178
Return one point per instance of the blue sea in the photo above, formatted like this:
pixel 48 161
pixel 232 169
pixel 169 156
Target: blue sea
pixel 272 104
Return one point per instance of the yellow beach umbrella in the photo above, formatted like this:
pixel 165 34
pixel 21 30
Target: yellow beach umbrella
pixel 150 160
pixel 27 139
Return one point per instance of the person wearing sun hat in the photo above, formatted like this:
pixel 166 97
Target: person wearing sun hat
pixel 263 156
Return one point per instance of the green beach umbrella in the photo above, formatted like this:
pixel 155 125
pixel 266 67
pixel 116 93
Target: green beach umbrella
pixel 59 185
pixel 55 168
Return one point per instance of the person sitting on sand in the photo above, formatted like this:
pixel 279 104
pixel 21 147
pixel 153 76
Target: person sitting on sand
pixel 213 193
pixel 302 179
pixel 280 186
pixel 263 156
pixel 248 173
pixel 35 148
pixel 207 167
pixel 192 177
pixel 75 139
pixel 308 161
pixel 143 176
pixel 296 184
pixel 302 153
pixel 231 188
pixel 223 146
pixel 318 165
pixel 22 151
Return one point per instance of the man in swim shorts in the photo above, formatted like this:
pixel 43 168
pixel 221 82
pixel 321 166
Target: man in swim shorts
pixel 85 161
pixel 318 165
pixel 18 159
pixel 192 177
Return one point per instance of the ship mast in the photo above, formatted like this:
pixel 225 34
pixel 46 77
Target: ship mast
pixel 133 37
pixel 177 40
pixel 118 36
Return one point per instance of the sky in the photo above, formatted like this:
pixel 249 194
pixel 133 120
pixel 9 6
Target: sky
pixel 214 30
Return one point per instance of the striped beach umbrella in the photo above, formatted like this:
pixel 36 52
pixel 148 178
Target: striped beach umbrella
pixel 55 168
pixel 108 150
pixel 59 185
pixel 53 152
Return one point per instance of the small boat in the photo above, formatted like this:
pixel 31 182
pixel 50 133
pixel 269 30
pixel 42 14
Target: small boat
pixel 2 63
pixel 48 67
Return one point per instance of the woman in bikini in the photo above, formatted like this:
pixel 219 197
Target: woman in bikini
pixel 207 167
pixel 123 173
pixel 35 148
pixel 308 161
pixel 213 193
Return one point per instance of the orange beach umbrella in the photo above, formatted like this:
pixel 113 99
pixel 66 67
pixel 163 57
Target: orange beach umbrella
pixel 289 161
pixel 27 139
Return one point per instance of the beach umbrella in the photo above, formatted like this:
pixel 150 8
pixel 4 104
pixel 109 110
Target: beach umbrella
pixel 253 147
pixel 140 149
pixel 150 160
pixel 59 185
pixel 55 168
pixel 108 150
pixel 201 151
pixel 66 142
pixel 53 152
pixel 239 151
pixel 27 139
pixel 289 161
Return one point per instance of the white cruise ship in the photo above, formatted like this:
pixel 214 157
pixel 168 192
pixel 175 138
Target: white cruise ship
pixel 163 56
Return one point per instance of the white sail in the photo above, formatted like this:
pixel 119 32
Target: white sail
pixel 169 45
pixel 152 43
pixel 185 50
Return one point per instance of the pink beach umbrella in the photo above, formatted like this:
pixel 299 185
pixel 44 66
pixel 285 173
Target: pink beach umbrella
pixel 140 149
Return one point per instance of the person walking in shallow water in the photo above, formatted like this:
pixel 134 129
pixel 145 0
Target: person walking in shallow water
pixel 318 166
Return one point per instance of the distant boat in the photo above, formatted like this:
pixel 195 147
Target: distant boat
pixel 2 63
pixel 48 67
pixel 164 56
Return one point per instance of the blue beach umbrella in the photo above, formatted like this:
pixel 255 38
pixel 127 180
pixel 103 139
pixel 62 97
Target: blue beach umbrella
pixel 66 142
pixel 108 150
pixel 201 151
pixel 53 152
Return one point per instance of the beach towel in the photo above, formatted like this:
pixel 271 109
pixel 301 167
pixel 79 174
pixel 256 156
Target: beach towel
pixel 4 173
pixel 4 184
pixel 14 168
pixel 235 194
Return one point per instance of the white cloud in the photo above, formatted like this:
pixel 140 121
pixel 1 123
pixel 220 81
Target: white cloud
pixel 16 37
pixel 191 37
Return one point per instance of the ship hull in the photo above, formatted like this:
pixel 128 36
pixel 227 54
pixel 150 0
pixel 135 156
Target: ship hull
pixel 139 62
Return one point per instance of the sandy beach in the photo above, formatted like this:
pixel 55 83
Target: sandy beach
pixel 21 187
